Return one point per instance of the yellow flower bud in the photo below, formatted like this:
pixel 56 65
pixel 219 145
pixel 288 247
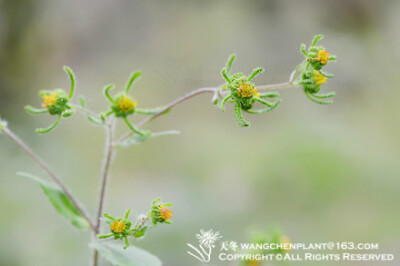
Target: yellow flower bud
pixel 118 227
pixel 165 213
pixel 49 99
pixel 323 57
pixel 319 79
pixel 125 104
pixel 246 91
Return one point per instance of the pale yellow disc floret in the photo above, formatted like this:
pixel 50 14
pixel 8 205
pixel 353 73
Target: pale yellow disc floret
pixel 49 99
pixel 319 79
pixel 246 91
pixel 323 57
pixel 118 227
pixel 125 104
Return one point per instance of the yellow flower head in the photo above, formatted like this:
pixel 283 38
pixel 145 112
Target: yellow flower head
pixel 319 79
pixel 165 213
pixel 125 104
pixel 118 227
pixel 49 99
pixel 323 57
pixel 246 91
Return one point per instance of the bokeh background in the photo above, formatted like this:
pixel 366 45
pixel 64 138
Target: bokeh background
pixel 321 173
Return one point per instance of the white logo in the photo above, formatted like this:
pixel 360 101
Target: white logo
pixel 206 240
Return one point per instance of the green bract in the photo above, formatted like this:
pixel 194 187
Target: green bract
pixel 243 94
pixel 55 102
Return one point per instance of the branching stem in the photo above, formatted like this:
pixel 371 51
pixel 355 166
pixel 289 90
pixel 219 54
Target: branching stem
pixel 104 176
pixel 85 110
pixel 109 151
pixel 46 168
pixel 276 86
pixel 191 95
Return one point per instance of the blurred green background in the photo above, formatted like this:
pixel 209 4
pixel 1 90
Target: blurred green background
pixel 323 173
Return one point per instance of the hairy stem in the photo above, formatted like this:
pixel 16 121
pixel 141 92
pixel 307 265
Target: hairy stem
pixel 85 110
pixel 276 86
pixel 53 176
pixel 104 176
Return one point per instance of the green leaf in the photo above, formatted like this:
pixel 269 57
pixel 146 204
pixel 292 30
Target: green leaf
pixel 135 139
pixel 132 256
pixel 134 76
pixel 62 204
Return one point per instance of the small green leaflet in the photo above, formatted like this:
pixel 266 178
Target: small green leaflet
pixel 62 204
pixel 132 256
pixel 82 101
pixel 135 139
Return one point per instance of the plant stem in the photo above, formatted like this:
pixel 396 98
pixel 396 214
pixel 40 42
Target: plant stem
pixel 176 102
pixel 104 176
pixel 190 95
pixel 276 86
pixel 44 166
pixel 85 110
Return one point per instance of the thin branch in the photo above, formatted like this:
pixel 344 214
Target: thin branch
pixel 190 95
pixel 276 86
pixel 105 172
pixel 176 102
pixel 291 83
pixel 53 176
pixel 85 110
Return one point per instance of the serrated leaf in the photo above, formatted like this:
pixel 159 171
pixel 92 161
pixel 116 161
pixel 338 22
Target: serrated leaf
pixel 135 139
pixel 132 256
pixel 61 202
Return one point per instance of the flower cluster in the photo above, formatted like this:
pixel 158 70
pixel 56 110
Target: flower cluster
pixel 312 75
pixel 55 102
pixel 243 93
pixel 121 228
